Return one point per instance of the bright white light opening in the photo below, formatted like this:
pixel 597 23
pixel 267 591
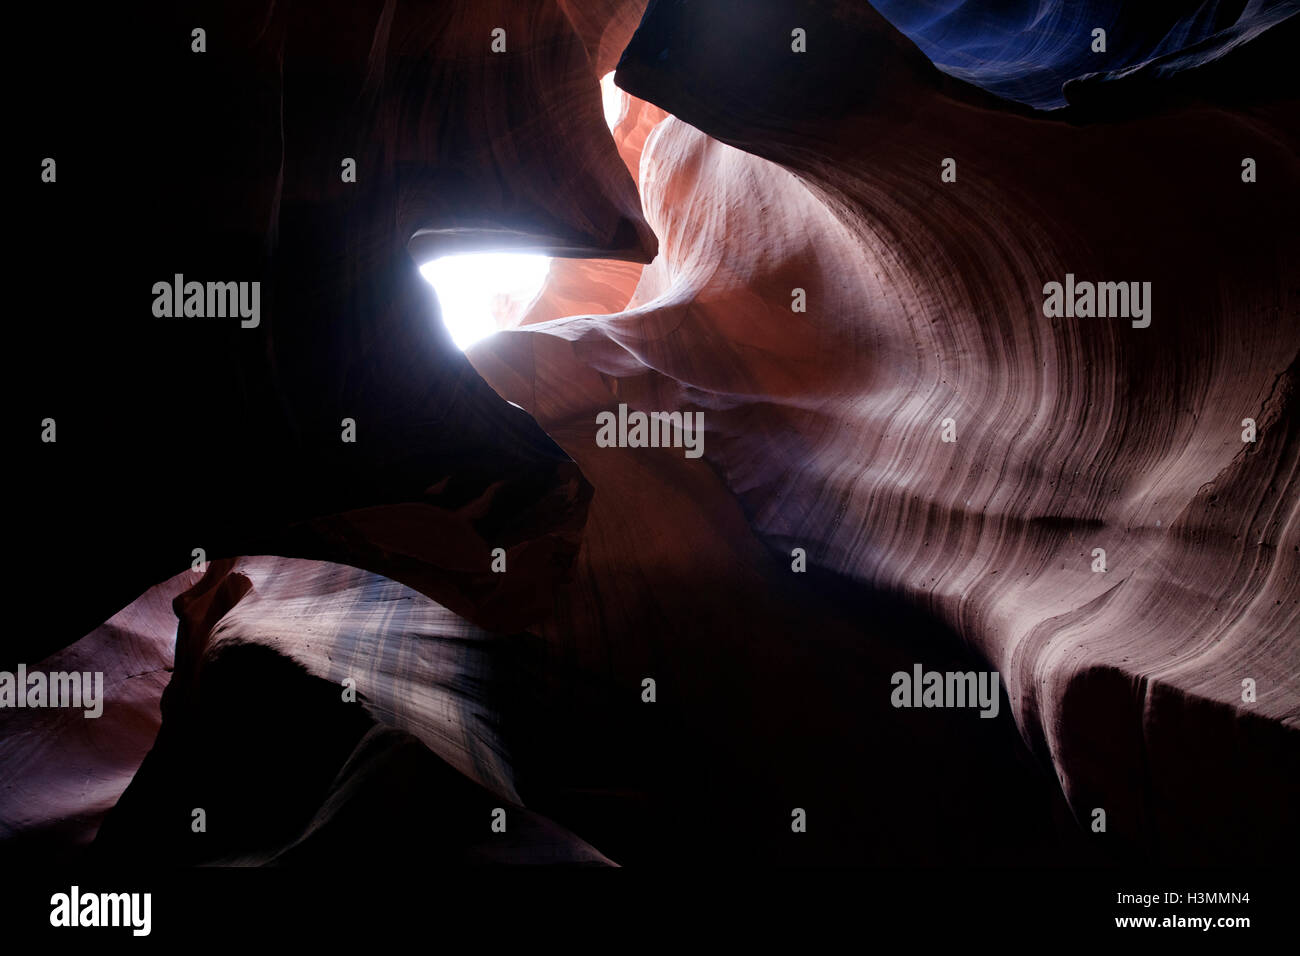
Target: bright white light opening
pixel 485 291
pixel 615 100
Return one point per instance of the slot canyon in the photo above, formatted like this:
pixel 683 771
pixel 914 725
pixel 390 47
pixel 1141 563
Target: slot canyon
pixel 353 589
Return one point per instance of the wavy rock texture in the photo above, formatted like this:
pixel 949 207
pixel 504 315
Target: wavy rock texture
pixel 599 286
pixel 64 772
pixel 1075 433
pixel 775 171
pixel 453 142
pixel 413 763
pixel 182 434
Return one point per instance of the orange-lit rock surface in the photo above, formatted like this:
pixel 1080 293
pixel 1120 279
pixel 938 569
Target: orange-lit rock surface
pixel 925 303
pixel 906 460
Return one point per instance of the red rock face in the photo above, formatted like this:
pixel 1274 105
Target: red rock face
pixel 64 771
pixel 908 459
pixel 1072 434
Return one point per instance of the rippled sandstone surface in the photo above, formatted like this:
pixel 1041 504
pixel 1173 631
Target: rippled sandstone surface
pixel 760 171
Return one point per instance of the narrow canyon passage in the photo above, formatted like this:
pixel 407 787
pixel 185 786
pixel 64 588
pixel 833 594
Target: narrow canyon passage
pixel 400 556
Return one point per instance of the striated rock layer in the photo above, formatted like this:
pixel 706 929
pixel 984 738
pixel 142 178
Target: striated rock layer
pixel 63 771
pixel 318 709
pixel 823 431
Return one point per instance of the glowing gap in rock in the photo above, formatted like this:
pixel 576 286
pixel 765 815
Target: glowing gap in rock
pixel 482 292
pixel 615 100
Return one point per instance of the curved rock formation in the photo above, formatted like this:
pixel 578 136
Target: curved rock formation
pixel 64 772
pixel 202 433
pixel 369 711
pixel 890 407
pixel 927 304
